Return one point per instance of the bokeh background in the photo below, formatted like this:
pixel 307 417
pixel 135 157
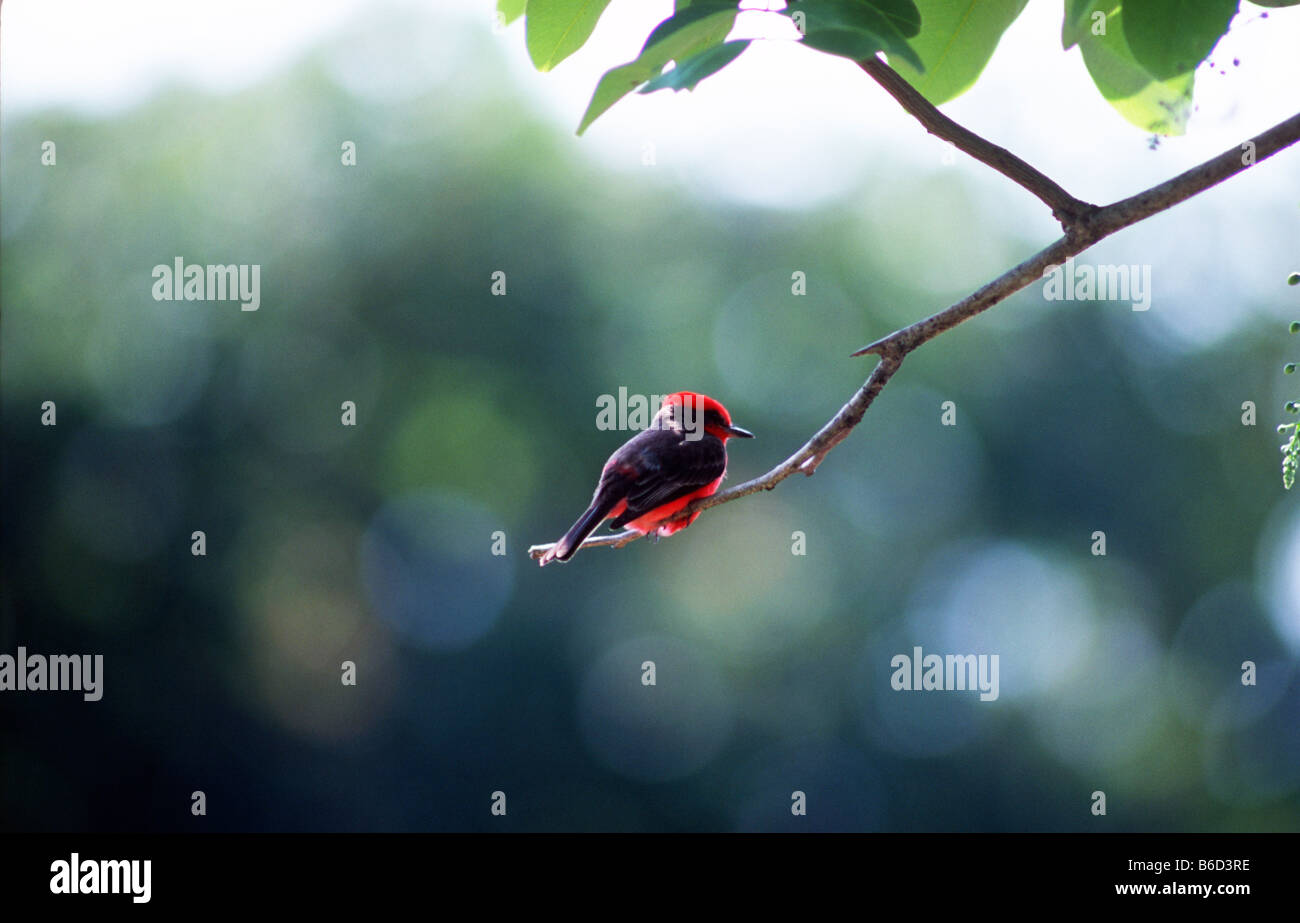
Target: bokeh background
pixel 655 254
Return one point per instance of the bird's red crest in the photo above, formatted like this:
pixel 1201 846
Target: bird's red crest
pixel 700 404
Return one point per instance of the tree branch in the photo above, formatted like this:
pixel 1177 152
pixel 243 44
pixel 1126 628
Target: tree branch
pixel 1084 227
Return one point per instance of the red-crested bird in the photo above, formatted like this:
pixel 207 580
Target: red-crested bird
pixel 680 457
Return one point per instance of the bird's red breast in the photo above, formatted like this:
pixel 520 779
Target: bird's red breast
pixel 648 522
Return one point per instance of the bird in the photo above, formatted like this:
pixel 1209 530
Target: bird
pixel 680 457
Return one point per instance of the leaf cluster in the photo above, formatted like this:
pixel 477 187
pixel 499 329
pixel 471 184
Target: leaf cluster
pixel 1142 55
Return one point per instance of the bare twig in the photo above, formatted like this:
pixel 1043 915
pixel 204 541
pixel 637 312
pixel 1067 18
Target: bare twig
pixel 1084 224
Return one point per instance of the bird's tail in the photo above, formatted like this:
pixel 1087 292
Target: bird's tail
pixel 586 524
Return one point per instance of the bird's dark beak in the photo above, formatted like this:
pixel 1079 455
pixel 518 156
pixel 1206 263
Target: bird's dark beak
pixel 737 431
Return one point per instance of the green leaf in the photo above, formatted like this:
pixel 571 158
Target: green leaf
pixel 686 19
pixel 556 29
pixel 851 29
pixel 511 10
pixel 1158 106
pixel 702 25
pixel 1171 37
pixel 904 15
pixel 1078 21
pixel 692 70
pixel 1291 460
pixel 956 44
pixel 1276 4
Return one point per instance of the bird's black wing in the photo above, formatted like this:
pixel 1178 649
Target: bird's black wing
pixel 666 466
